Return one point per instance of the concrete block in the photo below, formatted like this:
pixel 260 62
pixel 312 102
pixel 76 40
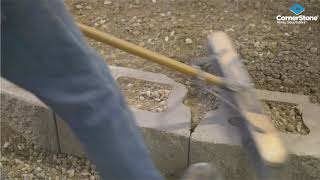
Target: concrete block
pixel 281 97
pixel 295 143
pixel 28 116
pixel 217 140
pixel 166 133
pixel 69 144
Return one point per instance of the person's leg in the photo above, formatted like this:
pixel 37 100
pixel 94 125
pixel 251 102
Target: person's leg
pixel 43 52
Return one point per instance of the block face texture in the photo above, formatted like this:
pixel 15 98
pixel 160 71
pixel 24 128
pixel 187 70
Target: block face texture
pixel 168 151
pixel 215 128
pixel 218 142
pixel 6 132
pixel 69 144
pixel 281 97
pixel 30 118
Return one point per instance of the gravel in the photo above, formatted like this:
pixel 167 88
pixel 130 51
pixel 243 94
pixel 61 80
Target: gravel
pixel 145 95
pixel 22 159
pixel 281 58
pixel 286 117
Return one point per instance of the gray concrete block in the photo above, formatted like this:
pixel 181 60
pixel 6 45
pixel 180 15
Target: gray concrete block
pixel 166 133
pixel 296 143
pixel 69 144
pixel 281 97
pixel 28 116
pixel 299 144
pixel 216 140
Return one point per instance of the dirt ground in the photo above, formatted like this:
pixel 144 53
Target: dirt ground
pixel 21 159
pixel 278 57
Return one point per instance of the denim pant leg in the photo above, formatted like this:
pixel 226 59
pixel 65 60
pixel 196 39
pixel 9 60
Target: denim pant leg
pixel 43 52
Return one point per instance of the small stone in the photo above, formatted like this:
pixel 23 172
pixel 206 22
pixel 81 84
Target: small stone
pixel 27 176
pixel 41 175
pixel 304 131
pixel 78 6
pixel 166 38
pixel 4 159
pixel 6 144
pixel 154 1
pixel 20 146
pixel 188 83
pixel 88 7
pixel 188 41
pixel 292 112
pixel 157 99
pixel 288 83
pixel 270 55
pixel 92 177
pixel 37 170
pixel 85 172
pixel 290 128
pixel 136 33
pixel 63 170
pixel 141 98
pixel 313 50
pixel 107 2
pixel 172 33
pixel 70 173
pixel 18 161
pixel 162 103
pixel 267 72
pixel 166 92
pixel 148 93
pixel 276 76
pixel 156 94
pixel 256 44
pixel 284 121
pixel 299 127
pixel 26 167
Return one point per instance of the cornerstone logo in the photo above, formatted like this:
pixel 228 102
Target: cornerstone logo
pixel 297 9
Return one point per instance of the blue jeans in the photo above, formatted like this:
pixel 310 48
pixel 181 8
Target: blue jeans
pixel 44 52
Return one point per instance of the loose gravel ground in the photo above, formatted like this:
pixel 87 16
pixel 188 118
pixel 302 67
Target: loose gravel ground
pixel 278 58
pixel 286 117
pixel 145 95
pixel 21 159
